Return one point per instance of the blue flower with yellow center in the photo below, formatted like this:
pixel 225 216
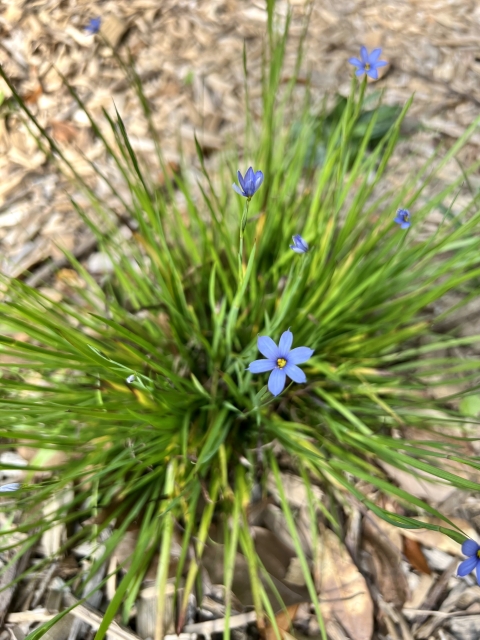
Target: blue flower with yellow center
pixel 471 549
pixel 403 218
pixel 282 361
pixel 369 63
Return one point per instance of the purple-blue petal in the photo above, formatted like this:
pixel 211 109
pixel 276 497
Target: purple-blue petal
pixel 477 573
pixel 285 343
pixel 467 566
pixel 258 180
pixel 405 225
pixel 276 381
pixel 300 243
pixel 260 366
pixel 381 63
pixel 470 548
pixel 240 180
pixel 12 486
pixel 238 190
pixel 296 249
pixel 356 62
pixel 268 348
pixel 374 56
pixel 93 26
pixel 373 73
pixel 250 175
pixel 299 355
pixel 295 373
pixel 360 72
pixel 364 54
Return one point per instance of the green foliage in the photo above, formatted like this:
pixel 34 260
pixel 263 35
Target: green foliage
pixel 142 381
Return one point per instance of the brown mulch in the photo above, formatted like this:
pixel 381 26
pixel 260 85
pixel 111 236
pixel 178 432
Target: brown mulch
pixel 188 54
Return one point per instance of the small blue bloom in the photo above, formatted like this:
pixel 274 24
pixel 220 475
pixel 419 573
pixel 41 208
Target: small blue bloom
pixel 250 184
pixel 403 218
pixel 93 26
pixel 281 361
pixel 369 63
pixel 299 244
pixel 13 486
pixel 471 549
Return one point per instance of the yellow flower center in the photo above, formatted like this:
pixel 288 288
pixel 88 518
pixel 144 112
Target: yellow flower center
pixel 406 217
pixel 281 362
pixel 478 553
pixel 367 66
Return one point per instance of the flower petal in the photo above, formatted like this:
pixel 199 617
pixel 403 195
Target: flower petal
pixel 477 572
pixel 267 347
pixel 356 62
pixel 295 373
pixel 374 56
pixel 299 355
pixel 296 249
pixel 470 548
pixel 276 381
pixel 12 486
pixel 373 73
pixel 258 180
pixel 381 63
pixel 300 243
pixel 360 72
pixel 260 366
pixel 240 180
pixel 285 343
pixel 467 566
pixel 364 54
pixel 405 225
pixel 238 190
pixel 250 176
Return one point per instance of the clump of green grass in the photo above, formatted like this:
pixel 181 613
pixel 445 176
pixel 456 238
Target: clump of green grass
pixel 143 381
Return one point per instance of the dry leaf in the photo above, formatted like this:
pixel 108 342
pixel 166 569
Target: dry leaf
pixel 276 558
pixel 429 490
pixel 63 131
pixel 284 622
pixel 32 96
pixel 344 595
pixel 387 562
pixel 437 540
pixel 414 554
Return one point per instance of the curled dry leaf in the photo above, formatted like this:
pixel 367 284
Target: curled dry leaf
pixel 414 554
pixel 344 595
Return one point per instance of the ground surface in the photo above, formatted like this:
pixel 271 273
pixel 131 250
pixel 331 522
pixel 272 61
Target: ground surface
pixel 189 56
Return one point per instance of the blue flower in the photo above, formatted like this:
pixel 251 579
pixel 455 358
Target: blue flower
pixel 93 26
pixel 471 549
pixel 403 218
pixel 281 361
pixel 369 63
pixel 299 244
pixel 250 184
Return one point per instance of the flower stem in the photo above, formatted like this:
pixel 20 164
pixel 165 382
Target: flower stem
pixel 243 224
